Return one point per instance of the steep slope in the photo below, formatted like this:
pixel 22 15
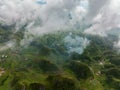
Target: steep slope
pixel 46 64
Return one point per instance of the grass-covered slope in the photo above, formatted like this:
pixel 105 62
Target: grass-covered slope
pixel 45 64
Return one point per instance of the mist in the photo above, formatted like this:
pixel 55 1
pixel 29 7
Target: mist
pixel 46 16
pixel 76 44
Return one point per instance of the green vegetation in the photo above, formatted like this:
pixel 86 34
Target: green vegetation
pixel 81 70
pixel 58 82
pixel 45 64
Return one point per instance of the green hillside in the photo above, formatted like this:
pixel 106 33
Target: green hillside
pixel 46 64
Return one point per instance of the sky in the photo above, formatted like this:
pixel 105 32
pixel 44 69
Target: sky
pixel 44 16
pixel 39 14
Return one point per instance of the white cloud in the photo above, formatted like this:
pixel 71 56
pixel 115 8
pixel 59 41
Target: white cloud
pixel 7 45
pixel 75 44
pixel 20 12
pixel 107 18
pixel 104 15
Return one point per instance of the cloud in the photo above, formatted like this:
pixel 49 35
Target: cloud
pixel 117 43
pixel 7 45
pixel 76 44
pixel 106 18
pixel 39 18
pixel 94 7
pixel 60 14
pixel 44 16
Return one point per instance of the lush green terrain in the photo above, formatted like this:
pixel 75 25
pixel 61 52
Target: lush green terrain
pixel 45 64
